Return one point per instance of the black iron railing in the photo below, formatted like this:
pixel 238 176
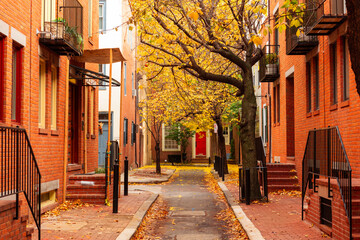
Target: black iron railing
pixel 19 171
pixel 260 151
pixel 323 16
pixel 219 167
pixel 269 64
pixel 62 28
pixel 325 157
pixel 299 44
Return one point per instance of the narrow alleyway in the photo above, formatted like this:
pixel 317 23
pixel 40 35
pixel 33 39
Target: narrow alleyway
pixel 192 209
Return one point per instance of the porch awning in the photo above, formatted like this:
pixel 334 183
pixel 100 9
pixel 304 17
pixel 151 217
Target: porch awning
pixel 90 78
pixel 100 56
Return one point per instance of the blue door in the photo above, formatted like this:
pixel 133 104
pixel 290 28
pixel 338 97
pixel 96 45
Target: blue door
pixel 103 137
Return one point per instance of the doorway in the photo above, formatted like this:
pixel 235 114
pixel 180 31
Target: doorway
pixel 200 144
pixel 73 125
pixel 290 128
pixel 103 137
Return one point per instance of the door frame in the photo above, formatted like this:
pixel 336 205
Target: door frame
pixel 109 130
pixel 207 145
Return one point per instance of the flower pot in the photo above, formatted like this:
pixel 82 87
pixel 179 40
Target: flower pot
pixel 271 69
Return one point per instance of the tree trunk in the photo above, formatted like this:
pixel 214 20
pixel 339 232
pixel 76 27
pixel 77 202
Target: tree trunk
pixel 353 12
pixel 221 143
pixel 157 151
pixel 247 133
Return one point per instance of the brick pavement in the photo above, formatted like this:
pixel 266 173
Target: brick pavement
pixel 278 219
pixel 94 222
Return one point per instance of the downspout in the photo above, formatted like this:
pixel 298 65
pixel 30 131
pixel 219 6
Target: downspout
pixel 66 124
pixel 30 68
pixel 136 100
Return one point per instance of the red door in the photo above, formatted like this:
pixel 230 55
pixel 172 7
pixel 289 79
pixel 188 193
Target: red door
pixel 201 143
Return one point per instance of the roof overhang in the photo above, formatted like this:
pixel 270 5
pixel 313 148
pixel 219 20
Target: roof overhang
pixel 90 78
pixel 100 56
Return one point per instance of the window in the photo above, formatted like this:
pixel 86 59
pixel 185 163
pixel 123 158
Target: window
pixel 333 69
pixel 16 84
pixel 102 70
pixel 133 133
pixel 275 103
pixel 168 144
pixel 278 103
pixel 276 31
pixel 265 124
pixel 90 17
pixel 125 79
pixel 125 131
pixel 102 25
pixel 91 112
pixel 226 135
pixel 54 81
pixel 42 93
pixel 308 86
pixel 48 11
pixel 317 87
pixel 1 78
pixel 345 58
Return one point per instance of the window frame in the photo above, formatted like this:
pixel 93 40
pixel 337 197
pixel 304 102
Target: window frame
pixel 54 102
pixel 125 131
pixel 316 83
pixel 125 92
pixel 16 116
pixel 133 133
pixel 308 87
pixel 333 69
pixel 163 137
pixel 226 135
pixel 103 3
pixel 278 103
pixel 275 103
pixel 345 70
pixel 2 95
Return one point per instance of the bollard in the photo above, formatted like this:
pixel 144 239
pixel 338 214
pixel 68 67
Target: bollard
pixel 266 184
pixel 116 186
pixel 247 189
pixel 209 161
pixel 240 188
pixel 126 175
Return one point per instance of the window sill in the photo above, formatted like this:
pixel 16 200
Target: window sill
pixel 316 112
pixel 333 107
pixel 55 133
pixel 345 103
pixel 309 114
pixel 43 131
pixel 93 136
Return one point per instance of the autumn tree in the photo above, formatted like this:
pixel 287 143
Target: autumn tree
pixel 206 38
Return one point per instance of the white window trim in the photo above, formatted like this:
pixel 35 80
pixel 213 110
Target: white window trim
pixel 163 141
pixel 103 15
pixel 227 136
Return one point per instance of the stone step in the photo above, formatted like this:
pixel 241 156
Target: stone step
pixel 272 174
pixel 76 188
pixel 280 166
pixel 356 224
pixel 96 178
pixel 88 198
pixel 273 188
pixel 282 181
pixel 356 236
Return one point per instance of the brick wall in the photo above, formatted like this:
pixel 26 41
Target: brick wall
pixel 48 144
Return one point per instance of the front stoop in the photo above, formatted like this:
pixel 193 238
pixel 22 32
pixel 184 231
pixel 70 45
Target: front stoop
pixel 87 188
pixel 282 176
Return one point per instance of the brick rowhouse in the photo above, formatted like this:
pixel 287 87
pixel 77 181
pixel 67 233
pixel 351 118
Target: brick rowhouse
pixel 42 112
pixel 300 104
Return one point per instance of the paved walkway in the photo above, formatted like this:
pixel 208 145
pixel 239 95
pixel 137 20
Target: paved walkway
pixel 278 219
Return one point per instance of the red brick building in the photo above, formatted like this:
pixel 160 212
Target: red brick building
pixel 313 87
pixel 37 38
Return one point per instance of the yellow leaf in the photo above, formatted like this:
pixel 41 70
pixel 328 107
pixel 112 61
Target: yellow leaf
pixel 194 15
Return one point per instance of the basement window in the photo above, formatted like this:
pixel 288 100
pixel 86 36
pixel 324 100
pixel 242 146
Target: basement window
pixel 48 198
pixel 325 212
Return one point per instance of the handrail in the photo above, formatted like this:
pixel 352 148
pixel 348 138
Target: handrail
pixel 19 171
pixel 325 156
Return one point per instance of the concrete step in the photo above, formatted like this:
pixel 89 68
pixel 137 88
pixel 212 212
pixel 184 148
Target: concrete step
pixel 200 160
pixel 356 224
pixel 356 236
pixel 88 198
pixel 77 188
pixel 273 188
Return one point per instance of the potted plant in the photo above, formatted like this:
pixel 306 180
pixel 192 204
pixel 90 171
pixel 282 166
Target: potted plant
pixel 55 29
pixel 271 60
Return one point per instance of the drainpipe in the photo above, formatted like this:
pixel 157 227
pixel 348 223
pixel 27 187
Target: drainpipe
pixel 136 101
pixel 269 94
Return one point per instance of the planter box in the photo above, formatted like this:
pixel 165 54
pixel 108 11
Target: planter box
pixel 57 30
pixel 272 69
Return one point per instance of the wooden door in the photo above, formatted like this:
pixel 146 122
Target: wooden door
pixel 201 143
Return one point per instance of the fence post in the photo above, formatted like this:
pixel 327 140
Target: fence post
pixel 223 170
pixel 126 175
pixel 17 172
pixel 116 186
pixel 247 188
pixel 209 161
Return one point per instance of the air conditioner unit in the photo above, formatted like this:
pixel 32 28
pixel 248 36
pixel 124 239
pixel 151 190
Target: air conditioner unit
pixel 134 92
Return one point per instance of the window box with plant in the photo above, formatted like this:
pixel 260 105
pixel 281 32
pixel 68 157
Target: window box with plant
pixel 272 64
